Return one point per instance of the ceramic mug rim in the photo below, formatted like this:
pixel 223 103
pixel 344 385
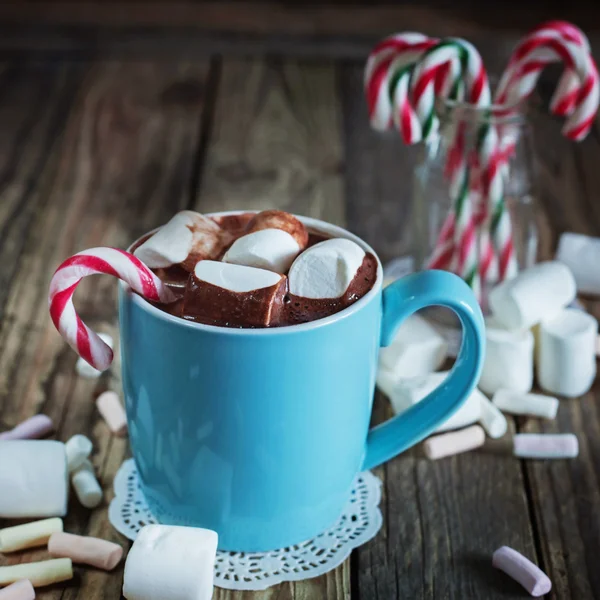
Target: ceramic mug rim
pixel 316 224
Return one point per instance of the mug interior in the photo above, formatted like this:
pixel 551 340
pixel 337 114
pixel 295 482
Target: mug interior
pixel 313 224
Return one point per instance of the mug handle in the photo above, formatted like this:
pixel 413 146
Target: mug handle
pixel 401 299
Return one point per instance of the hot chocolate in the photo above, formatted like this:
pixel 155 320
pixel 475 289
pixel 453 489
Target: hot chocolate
pixel 255 270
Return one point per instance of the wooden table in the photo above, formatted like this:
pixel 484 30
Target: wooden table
pixel 96 152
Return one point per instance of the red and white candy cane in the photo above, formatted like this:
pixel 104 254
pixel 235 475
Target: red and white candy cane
pixel 109 261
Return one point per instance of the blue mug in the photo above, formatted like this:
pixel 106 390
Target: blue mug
pixel 258 434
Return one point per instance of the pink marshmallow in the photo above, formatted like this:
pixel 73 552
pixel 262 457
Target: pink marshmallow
pixel 86 550
pixel 521 569
pixel 21 590
pixel 31 429
pixel 454 442
pixel 112 412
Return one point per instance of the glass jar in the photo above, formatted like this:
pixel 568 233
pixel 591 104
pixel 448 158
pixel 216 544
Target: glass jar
pixel 464 133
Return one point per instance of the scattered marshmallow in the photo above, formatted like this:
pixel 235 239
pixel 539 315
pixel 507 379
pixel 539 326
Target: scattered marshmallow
pixel 271 249
pixel 278 219
pixel 85 550
pixel 112 411
pixel 566 358
pixel 455 442
pixel 545 445
pixel 187 238
pixel 30 535
pixel 598 346
pixel 35 472
pixel 38 573
pixel 221 292
pixel 536 405
pixel 84 369
pixel 171 562
pixel 326 269
pixel 407 392
pixel 508 359
pixel 21 590
pixel 78 449
pixel 417 349
pixel 521 569
pixel 86 485
pixel 582 255
pixel 492 420
pixel 532 296
pixel 31 429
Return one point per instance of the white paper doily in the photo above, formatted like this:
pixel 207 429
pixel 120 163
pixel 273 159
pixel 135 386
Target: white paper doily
pixel 359 522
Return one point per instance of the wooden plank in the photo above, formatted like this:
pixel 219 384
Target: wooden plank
pixel 123 165
pixel 276 142
pixel 442 520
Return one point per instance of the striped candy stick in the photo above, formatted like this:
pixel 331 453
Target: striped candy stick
pixel 109 261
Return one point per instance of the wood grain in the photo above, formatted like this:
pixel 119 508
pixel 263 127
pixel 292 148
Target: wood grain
pixel 276 143
pixel 121 167
pixel 442 519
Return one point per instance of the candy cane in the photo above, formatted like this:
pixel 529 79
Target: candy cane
pixel 110 261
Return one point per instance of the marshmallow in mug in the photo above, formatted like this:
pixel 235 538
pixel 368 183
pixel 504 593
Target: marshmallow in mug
pixel 35 475
pixel 326 269
pixel 508 362
pixel 239 295
pixel 582 255
pixel 566 357
pixel 172 562
pixel 532 296
pixel 187 238
pixel 417 349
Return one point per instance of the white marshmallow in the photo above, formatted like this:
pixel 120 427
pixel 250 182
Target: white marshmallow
pixel 492 420
pixel 168 562
pixel 78 449
pixel 33 479
pixel 271 249
pixel 508 359
pixel 566 361
pixel 582 255
pixel 545 445
pixel 326 269
pixel 84 369
pixel 417 349
pixel 410 391
pixel 532 296
pixel 536 405
pixel 235 278
pixel 87 488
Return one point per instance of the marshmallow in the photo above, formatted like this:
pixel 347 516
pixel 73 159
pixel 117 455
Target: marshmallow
pixel 271 249
pixel 492 420
pixel 535 405
pixel 405 393
pixel 33 479
pixel 521 569
pixel 171 562
pixel 454 442
pixel 78 450
pixel 582 255
pixel 38 573
pixel 33 428
pixel 278 219
pixel 86 485
pixel 221 292
pixel 508 359
pixel 417 349
pixel 532 296
pixel 187 238
pixel 85 550
pixel 112 412
pixel 30 535
pixel 84 369
pixel 21 590
pixel 566 361
pixel 545 445
pixel 326 269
